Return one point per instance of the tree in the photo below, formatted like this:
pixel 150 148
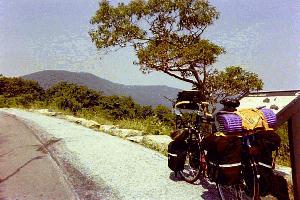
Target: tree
pixel 164 114
pixel 233 80
pixel 166 36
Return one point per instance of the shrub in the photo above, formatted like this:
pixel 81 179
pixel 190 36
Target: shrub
pixel 151 125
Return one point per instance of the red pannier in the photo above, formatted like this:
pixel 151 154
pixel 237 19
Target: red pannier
pixel 224 158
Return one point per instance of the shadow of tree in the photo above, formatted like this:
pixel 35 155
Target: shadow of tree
pixel 17 170
pixel 43 147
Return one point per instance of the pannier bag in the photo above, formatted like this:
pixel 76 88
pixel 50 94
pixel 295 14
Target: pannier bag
pixel 224 158
pixel 176 155
pixel 265 143
pixel 247 120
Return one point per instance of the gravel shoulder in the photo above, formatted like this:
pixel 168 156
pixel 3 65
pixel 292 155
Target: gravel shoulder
pixel 112 167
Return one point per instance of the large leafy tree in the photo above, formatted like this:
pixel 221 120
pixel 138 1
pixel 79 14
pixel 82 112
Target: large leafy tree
pixel 167 36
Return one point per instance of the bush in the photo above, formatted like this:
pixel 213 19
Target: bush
pixel 2 101
pixel 284 149
pixel 165 115
pixel 69 96
pixel 151 125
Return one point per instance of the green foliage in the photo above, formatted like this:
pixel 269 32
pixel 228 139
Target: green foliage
pixel 2 101
pixel 150 125
pixel 144 111
pixel 164 115
pixel 72 97
pixel 231 81
pixel 83 102
pixel 119 107
pixel 96 114
pixel 13 87
pixel 167 36
pixel 17 91
pixel 284 150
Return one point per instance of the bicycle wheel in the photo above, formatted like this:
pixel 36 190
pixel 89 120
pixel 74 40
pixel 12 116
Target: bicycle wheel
pixel 251 178
pixel 192 170
pixel 231 192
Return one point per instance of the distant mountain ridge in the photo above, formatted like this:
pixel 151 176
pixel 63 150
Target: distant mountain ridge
pixel 146 95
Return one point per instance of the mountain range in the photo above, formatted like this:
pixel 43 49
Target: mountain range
pixel 146 95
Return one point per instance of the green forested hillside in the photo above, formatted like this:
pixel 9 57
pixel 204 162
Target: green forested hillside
pixel 146 95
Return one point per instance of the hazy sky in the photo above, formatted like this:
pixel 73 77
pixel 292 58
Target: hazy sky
pixel 263 36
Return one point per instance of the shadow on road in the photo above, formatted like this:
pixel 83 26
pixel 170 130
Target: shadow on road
pixel 43 147
pixel 17 170
pixel 175 178
pixel 210 188
pixel 211 191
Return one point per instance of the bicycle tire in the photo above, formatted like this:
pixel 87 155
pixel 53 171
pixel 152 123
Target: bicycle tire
pixel 231 192
pixel 192 170
pixel 252 182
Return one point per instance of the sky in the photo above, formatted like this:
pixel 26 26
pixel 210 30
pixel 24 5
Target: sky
pixel 262 36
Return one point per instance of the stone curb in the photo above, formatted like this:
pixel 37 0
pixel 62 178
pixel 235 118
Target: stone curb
pixel 155 142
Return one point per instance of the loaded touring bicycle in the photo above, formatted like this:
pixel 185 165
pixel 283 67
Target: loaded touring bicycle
pixel 232 148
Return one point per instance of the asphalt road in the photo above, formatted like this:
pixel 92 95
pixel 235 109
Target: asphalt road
pixel 27 171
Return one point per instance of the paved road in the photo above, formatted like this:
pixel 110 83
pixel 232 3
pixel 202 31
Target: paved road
pixel 108 167
pixel 26 170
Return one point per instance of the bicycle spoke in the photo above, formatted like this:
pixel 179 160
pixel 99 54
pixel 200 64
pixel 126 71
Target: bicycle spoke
pixel 191 171
pixel 231 192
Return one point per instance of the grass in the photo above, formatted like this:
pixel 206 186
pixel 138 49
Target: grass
pixel 283 157
pixel 150 125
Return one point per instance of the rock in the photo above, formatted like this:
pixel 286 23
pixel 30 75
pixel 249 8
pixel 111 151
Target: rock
pixel 136 139
pixel 73 119
pixel 90 123
pixel 48 112
pixel 107 128
pixel 124 133
pixel 83 122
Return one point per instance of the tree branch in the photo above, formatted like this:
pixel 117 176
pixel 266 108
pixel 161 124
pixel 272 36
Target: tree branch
pixel 196 75
pixel 180 78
